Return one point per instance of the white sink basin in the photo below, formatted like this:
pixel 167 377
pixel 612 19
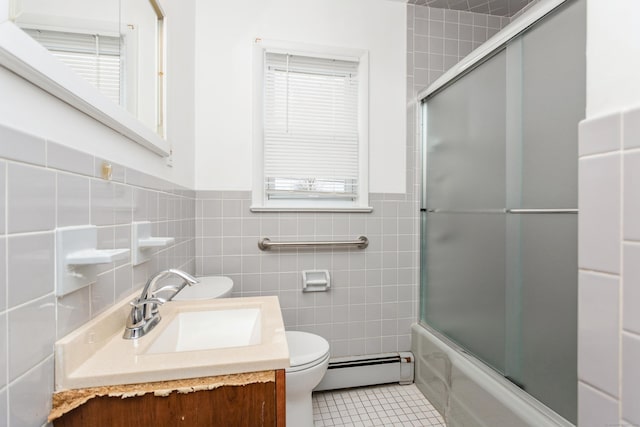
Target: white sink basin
pixel 207 330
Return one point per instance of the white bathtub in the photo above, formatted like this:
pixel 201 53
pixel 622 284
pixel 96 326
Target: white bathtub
pixel 467 392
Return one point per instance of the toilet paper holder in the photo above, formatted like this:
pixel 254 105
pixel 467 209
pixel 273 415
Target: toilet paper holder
pixel 316 281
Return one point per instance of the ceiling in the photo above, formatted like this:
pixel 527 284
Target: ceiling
pixel 493 7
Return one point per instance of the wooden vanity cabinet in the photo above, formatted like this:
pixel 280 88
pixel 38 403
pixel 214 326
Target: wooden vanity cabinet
pixel 252 404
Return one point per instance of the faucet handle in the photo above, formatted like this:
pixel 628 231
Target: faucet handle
pixel 189 279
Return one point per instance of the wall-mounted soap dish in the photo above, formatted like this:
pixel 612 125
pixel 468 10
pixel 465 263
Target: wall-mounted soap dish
pixel 142 242
pixel 77 255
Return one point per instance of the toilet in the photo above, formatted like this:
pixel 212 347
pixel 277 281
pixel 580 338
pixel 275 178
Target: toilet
pixel 210 287
pixel 309 359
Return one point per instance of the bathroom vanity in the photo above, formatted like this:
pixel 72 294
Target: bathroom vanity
pixel 189 370
pixel 248 399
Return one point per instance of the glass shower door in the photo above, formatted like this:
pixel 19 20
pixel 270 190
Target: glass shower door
pixel 499 223
pixel 464 224
pixel 547 84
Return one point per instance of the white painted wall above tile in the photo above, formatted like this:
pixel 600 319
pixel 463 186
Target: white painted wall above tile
pixel 613 56
pixel 225 32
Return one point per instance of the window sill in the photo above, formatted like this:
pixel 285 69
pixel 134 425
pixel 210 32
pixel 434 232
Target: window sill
pixel 310 209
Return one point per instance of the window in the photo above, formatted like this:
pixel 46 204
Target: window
pixel 94 57
pixel 312 144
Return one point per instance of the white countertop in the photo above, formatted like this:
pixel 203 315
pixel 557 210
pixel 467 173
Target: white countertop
pixel 97 355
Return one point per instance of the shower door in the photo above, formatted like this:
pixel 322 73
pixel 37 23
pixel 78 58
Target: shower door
pixel 499 223
pixel 464 296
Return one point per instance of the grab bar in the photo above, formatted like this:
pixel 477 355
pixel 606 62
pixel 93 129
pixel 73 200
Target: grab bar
pixel 542 211
pixel 266 244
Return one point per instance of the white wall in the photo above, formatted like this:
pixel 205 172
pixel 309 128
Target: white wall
pixel 28 108
pixel 79 10
pixel 613 55
pixel 224 38
pixel 609 222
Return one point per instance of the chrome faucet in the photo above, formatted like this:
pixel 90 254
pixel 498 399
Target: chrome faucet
pixel 144 309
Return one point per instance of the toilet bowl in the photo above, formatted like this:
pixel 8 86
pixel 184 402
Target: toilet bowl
pixel 309 359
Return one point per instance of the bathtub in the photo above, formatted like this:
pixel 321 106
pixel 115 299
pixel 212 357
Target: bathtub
pixel 467 392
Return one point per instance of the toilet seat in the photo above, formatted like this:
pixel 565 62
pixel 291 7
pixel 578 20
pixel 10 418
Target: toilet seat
pixel 306 350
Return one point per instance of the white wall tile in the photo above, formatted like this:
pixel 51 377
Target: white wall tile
pixel 35 320
pixel 600 135
pixel 30 396
pixel 123 281
pixel 3 352
pixel 73 200
pixel 599 331
pixel 631 288
pixel 31 261
pixel 4 412
pixel 122 204
pixel 67 159
pixel 596 409
pixel 600 213
pixel 102 202
pixel 140 204
pixel 3 180
pixel 631 378
pixel 404 341
pixel 31 198
pixel 631 128
pixel 74 310
pixel 102 293
pixel 3 274
pixel 106 240
pixel 22 147
pixel 27 308
pixel 632 196
pixel 122 239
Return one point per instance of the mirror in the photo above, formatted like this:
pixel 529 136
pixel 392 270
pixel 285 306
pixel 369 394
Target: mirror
pixel 117 47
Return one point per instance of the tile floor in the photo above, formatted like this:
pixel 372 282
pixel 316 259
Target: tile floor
pixel 385 405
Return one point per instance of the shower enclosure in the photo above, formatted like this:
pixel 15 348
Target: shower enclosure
pixel 499 217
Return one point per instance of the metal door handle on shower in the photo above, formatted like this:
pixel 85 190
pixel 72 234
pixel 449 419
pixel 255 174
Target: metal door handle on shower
pixel 542 211
pixel 509 211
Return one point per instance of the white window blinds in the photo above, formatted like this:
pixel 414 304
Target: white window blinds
pixel 94 57
pixel 310 127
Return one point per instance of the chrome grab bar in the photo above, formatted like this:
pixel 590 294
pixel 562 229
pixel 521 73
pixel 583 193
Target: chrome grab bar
pixel 266 244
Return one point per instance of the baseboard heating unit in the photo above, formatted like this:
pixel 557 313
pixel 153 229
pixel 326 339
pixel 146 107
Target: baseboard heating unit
pixel 372 369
